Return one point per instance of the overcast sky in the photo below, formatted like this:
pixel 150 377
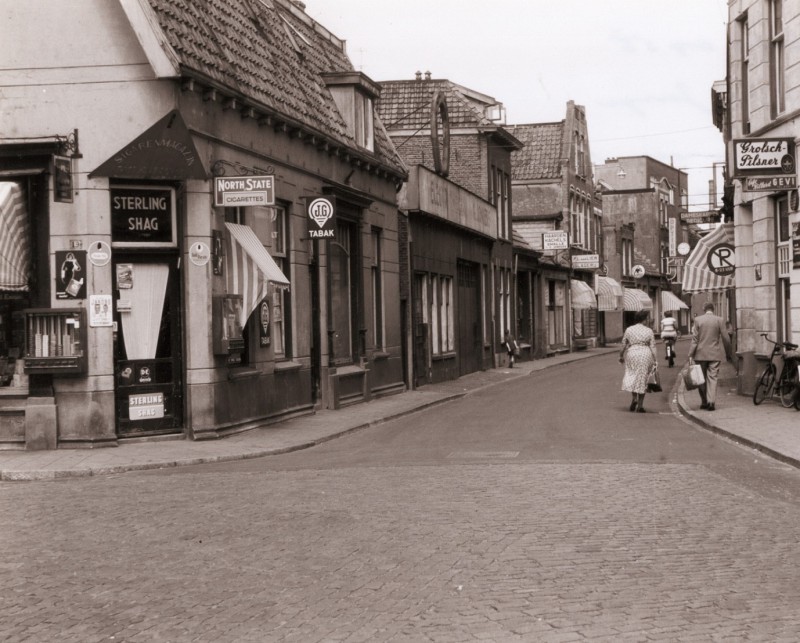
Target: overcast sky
pixel 642 68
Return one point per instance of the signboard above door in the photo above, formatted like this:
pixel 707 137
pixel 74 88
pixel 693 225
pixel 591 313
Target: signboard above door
pixel 142 216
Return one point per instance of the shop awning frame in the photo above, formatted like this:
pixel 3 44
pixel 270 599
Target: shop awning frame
pixel 669 301
pixel 249 268
pixel 636 300
pixel 15 239
pixel 581 295
pixel 697 275
pixel 609 294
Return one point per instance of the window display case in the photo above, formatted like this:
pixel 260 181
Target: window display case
pixel 55 341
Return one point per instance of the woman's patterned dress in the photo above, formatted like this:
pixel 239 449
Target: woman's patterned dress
pixel 639 357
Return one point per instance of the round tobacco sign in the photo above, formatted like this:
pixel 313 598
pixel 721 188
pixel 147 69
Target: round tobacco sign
pixel 637 271
pixel 99 253
pixel 199 254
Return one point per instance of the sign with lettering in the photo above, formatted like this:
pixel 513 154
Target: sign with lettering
pixel 556 240
pixel 763 156
pixel 146 406
pixel 142 216
pixel 246 191
pixel 321 218
pixel 585 262
pixel 703 216
pixel 62 179
pixel 769 183
pixel 71 274
pixel 722 259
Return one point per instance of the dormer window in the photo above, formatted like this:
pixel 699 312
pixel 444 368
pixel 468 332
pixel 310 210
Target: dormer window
pixel 354 94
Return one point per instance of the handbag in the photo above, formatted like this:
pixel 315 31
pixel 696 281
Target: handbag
pixel 693 377
pixel 654 382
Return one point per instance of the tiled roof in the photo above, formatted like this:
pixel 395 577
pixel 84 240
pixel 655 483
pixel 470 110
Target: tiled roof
pixel 267 51
pixel 541 156
pixel 406 105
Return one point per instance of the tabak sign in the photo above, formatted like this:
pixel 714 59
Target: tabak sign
pixel 321 218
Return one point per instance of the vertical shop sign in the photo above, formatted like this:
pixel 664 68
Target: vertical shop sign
pixel 62 179
pixel 264 323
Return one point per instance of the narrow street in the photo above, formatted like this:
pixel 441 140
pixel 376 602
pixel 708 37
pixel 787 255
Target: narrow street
pixel 541 510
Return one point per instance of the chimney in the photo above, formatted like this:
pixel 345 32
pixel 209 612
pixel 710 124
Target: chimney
pixel 427 75
pixel 418 75
pixel 299 4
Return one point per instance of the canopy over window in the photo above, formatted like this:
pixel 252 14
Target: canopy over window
pixel 249 268
pixel 582 295
pixel 697 273
pixel 609 294
pixel 636 299
pixel 15 242
pixel 671 302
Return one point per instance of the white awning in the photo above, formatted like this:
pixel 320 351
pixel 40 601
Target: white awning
pixel 697 273
pixel 609 294
pixel 636 299
pixel 670 302
pixel 582 295
pixel 248 268
pixel 15 241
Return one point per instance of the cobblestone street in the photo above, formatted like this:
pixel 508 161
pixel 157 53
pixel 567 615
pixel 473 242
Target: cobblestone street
pixel 490 551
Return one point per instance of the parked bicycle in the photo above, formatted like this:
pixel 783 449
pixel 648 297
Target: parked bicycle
pixel 786 383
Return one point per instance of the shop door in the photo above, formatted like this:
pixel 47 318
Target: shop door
pixel 469 327
pixel 147 346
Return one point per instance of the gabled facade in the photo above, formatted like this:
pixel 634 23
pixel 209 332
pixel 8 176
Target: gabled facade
pixel 553 190
pixel 642 204
pixel 456 217
pixel 178 170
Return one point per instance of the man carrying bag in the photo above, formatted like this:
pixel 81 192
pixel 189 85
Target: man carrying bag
pixel 710 345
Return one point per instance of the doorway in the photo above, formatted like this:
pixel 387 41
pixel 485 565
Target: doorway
pixel 469 315
pixel 147 344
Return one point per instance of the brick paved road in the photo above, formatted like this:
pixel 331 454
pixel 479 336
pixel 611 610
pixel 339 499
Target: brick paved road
pixel 494 533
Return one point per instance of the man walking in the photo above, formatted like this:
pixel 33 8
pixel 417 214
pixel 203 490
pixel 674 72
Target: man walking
pixel 710 344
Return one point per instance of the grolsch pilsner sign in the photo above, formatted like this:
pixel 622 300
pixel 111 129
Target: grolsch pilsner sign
pixel 321 218
pixel 765 164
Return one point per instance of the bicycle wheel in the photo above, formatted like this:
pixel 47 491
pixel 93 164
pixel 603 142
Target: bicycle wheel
pixel 788 388
pixel 765 384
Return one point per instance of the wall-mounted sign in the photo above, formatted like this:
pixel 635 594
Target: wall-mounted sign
pixel 99 253
pixel 62 179
pixel 321 218
pixel 199 254
pixel 585 262
pixel 769 183
pixel 763 157
pixel 124 277
pixel 100 313
pixel 673 235
pixel 556 240
pixel 236 191
pixel 142 216
pixel 70 274
pixel 637 271
pixel 264 323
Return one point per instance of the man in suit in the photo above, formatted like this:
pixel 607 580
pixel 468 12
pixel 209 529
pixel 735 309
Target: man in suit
pixel 710 345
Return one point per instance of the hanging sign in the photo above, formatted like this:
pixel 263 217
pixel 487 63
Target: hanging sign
pixel 321 218
pixel 236 191
pixel 763 156
pixel 585 262
pixel 62 179
pixel 556 240
pixel 637 271
pixel 722 259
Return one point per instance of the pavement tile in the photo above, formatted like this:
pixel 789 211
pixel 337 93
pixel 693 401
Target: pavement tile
pixel 768 428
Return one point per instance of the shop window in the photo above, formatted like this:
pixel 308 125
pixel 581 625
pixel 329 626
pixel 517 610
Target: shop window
pixel 376 273
pixel 345 288
pixel 281 298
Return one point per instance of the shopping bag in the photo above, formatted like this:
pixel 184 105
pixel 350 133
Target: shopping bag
pixel 693 377
pixel 654 382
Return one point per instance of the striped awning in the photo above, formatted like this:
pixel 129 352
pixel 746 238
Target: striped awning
pixel 249 268
pixel 15 241
pixel 697 273
pixel 670 302
pixel 636 299
pixel 609 294
pixel 582 295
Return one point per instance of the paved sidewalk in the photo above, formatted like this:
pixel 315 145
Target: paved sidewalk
pixel 769 427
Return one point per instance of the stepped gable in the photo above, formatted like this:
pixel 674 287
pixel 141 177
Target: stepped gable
pixel 268 52
pixel 540 158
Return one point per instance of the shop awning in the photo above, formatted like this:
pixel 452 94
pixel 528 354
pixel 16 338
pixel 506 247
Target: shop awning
pixel 719 247
pixel 670 302
pixel 582 295
pixel 636 299
pixel 15 242
pixel 249 268
pixel 609 294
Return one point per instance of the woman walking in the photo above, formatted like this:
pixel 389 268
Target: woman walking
pixel 639 356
